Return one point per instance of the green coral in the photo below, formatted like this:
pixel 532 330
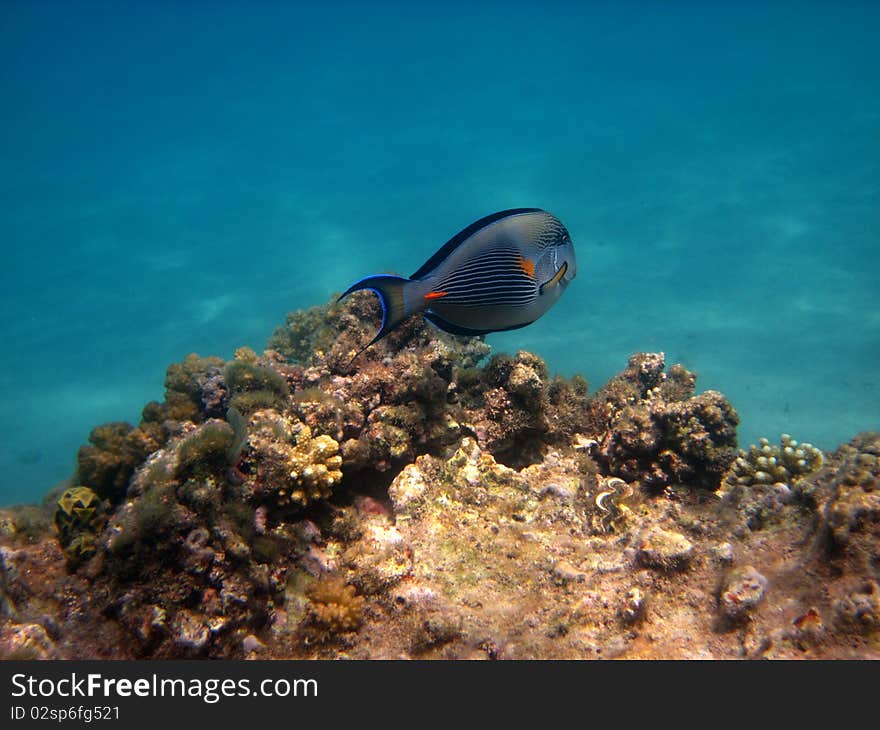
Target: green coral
pixel 769 464
pixel 79 518
pixel 206 449
pixel 239 429
pixel 253 386
pixel 303 332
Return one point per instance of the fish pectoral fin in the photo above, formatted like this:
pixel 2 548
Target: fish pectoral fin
pixel 557 277
pixel 435 295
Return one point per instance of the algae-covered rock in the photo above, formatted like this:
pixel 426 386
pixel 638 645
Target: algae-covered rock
pixel 194 390
pixel 508 406
pixel 252 385
pixel 743 590
pixel 859 609
pixel 850 492
pixel 658 432
pixel 665 549
pixel 114 451
pixel 26 642
pixel 206 449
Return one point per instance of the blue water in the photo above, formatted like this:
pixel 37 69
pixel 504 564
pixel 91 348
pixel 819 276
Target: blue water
pixel 175 177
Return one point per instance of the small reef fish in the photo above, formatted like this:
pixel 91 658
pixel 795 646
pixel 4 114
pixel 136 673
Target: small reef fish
pixel 500 273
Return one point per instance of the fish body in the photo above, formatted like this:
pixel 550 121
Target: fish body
pixel 500 273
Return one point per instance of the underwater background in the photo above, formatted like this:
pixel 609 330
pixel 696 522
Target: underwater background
pixel 175 177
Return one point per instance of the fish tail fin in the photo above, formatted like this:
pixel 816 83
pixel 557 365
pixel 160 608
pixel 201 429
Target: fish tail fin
pixel 390 292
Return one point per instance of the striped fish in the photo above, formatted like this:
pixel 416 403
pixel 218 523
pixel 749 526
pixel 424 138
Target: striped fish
pixel 500 273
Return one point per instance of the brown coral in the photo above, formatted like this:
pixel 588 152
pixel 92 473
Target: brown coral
pixel 658 432
pixel 114 450
pixel 334 608
pixel 508 406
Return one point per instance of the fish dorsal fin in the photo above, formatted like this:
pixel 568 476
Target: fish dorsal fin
pixel 462 236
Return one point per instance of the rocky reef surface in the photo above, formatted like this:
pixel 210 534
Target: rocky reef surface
pixel 429 501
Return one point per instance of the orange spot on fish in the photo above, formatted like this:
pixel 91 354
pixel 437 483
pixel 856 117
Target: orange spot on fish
pixel 435 295
pixel 528 266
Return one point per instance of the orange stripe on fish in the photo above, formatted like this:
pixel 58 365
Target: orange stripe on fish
pixel 528 266
pixel 435 295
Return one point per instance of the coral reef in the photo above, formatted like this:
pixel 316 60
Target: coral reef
pixel 418 502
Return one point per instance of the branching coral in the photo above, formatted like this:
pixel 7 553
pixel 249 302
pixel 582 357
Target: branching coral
pixel 334 608
pixel 290 466
pixel 769 464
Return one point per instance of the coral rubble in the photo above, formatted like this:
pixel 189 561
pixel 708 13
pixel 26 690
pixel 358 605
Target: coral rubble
pixel 423 501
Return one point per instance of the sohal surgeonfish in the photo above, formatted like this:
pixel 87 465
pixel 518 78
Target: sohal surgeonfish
pixel 500 273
